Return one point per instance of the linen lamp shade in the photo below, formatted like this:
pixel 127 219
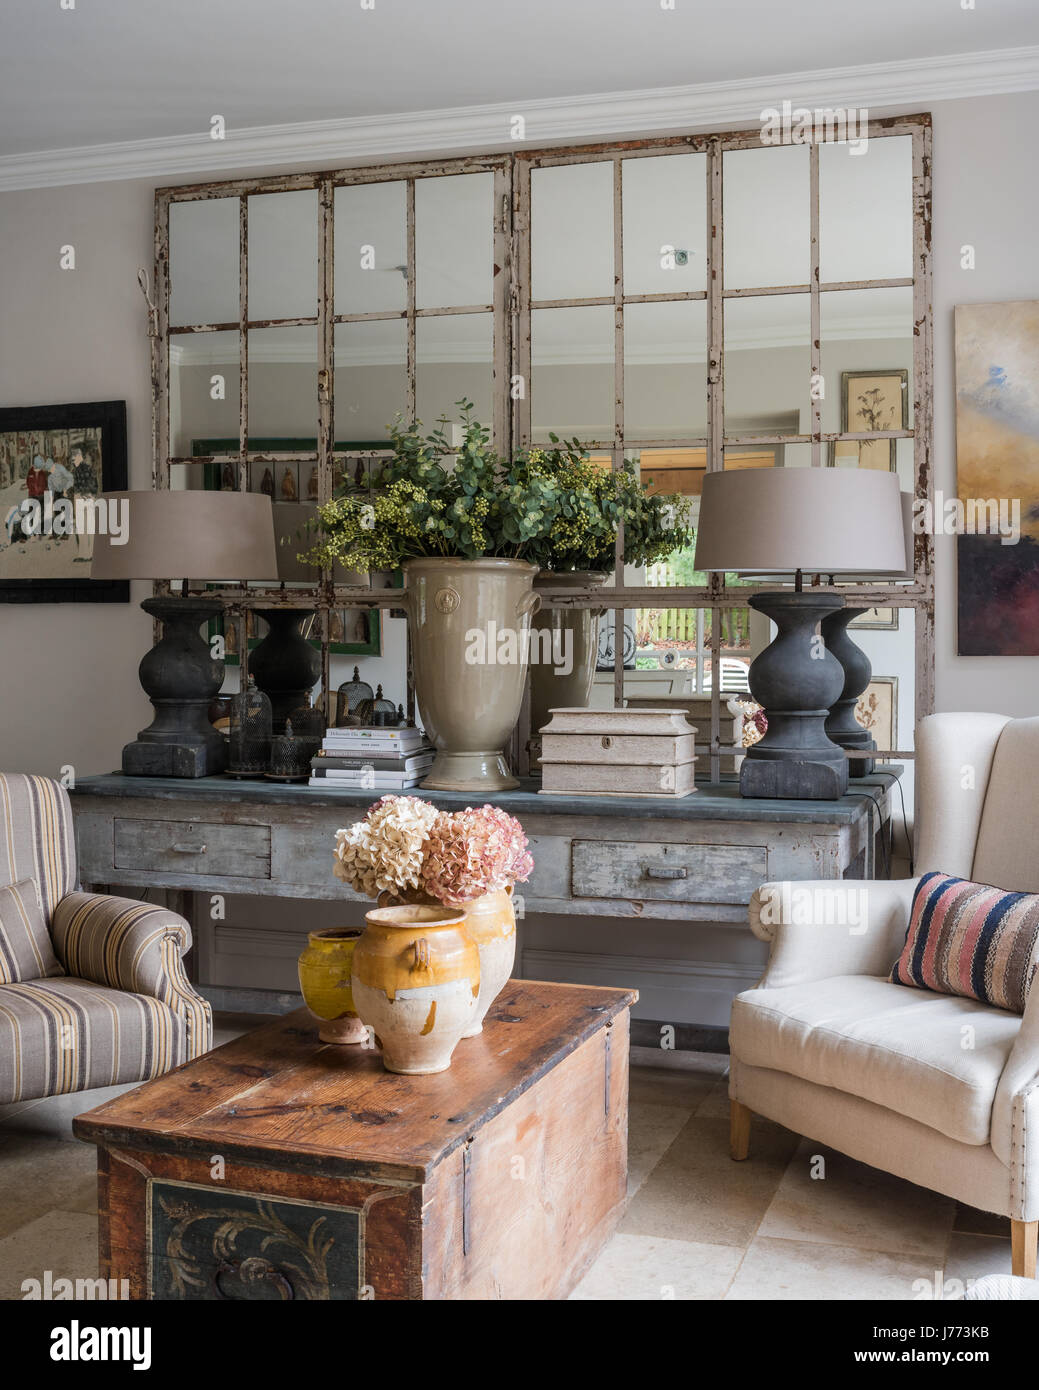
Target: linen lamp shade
pixel 836 521
pixel 829 521
pixel 172 535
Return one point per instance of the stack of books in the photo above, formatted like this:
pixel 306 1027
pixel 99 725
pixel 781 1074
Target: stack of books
pixel 376 759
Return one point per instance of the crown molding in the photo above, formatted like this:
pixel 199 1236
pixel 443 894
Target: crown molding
pixel 473 129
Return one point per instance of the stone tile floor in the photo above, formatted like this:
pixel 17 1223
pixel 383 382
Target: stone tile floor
pixel 697 1225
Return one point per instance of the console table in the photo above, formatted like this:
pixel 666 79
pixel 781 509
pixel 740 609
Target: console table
pixel 696 860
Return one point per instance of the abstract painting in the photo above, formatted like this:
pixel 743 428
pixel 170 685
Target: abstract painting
pixel 997 458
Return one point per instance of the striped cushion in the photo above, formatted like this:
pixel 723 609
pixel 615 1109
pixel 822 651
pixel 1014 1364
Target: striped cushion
pixel 36 839
pixel 26 952
pixel 71 1035
pixel 972 940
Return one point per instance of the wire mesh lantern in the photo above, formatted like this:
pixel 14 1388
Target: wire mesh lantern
pixel 292 751
pixel 350 694
pixel 250 733
pixel 292 754
pixel 383 713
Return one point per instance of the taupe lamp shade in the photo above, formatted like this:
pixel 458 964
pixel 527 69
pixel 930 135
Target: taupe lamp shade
pixel 836 521
pixel 175 535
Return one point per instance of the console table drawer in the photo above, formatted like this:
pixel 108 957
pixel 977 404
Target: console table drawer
pixel 672 873
pixel 192 847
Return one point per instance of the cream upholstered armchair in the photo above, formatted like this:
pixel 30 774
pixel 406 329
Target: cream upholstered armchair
pixel 124 1009
pixel 940 1090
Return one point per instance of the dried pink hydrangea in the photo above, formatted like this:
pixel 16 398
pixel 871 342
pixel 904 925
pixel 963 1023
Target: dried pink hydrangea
pixel 472 852
pixel 385 851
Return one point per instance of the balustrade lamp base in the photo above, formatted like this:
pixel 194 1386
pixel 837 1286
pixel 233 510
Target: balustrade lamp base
pixel 180 678
pixel 796 679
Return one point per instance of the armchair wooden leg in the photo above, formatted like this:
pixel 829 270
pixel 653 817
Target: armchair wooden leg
pixel 739 1132
pixel 1024 1236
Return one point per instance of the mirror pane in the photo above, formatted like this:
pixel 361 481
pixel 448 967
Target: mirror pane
pixel 767 223
pixel 371 380
pixel 664 199
pixel 572 373
pixel 571 240
pixel 768 456
pixel 283 385
pixel 867 367
pixel 283 243
pixel 665 370
pixel 768 364
pixel 454 241
pixel 371 254
pixel 866 210
pixel 454 356
pixel 204 392
pixel 204 261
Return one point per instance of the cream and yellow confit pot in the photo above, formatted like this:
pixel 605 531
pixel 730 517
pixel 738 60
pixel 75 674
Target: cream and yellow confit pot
pixel 491 922
pixel 416 984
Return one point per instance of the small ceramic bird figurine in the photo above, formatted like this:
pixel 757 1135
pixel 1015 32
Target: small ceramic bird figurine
pixel 288 487
pixel 267 485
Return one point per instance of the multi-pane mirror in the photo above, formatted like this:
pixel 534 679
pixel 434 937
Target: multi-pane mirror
pixel 688 304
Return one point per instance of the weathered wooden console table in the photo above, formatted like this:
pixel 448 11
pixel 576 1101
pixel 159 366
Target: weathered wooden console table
pixel 695 860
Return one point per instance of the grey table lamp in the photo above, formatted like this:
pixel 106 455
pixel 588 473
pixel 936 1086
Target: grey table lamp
pixel 841 725
pixel 791 521
pixel 173 535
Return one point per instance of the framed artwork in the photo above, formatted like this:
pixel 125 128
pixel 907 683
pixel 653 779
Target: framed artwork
pixel 877 620
pixel 55 460
pixel 870 401
pixel 997 465
pixel 877 711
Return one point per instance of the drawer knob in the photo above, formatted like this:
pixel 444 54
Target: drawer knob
pixel 653 871
pixel 188 849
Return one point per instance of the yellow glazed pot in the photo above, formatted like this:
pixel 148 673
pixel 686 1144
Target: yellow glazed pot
pixel 416 983
pixel 491 922
pixel 324 979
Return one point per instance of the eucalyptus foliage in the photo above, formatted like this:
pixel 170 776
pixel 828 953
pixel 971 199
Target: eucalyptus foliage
pixel 551 507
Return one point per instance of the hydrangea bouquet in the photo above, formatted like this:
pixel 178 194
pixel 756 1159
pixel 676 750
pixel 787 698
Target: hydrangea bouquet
pixel 404 845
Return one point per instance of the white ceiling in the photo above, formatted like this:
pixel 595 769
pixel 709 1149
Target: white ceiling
pixel 114 71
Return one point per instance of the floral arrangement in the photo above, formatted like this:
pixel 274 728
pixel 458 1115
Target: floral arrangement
pixel 553 507
pixel 405 845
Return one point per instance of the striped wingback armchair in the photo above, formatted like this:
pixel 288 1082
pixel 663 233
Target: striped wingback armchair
pixel 124 1010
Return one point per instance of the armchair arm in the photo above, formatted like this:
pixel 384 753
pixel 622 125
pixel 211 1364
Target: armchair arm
pixel 825 927
pixel 1015 1110
pixel 132 946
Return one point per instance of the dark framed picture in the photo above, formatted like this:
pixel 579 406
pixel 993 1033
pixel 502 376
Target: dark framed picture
pixel 877 619
pixel 871 401
pixel 55 461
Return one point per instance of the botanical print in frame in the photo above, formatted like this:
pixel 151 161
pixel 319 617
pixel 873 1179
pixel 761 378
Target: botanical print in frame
pixel 877 711
pixel 877 400
pixel 997 461
pixel 877 620
pixel 55 456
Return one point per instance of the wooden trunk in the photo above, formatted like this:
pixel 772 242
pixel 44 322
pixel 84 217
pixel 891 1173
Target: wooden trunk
pixel 278 1167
